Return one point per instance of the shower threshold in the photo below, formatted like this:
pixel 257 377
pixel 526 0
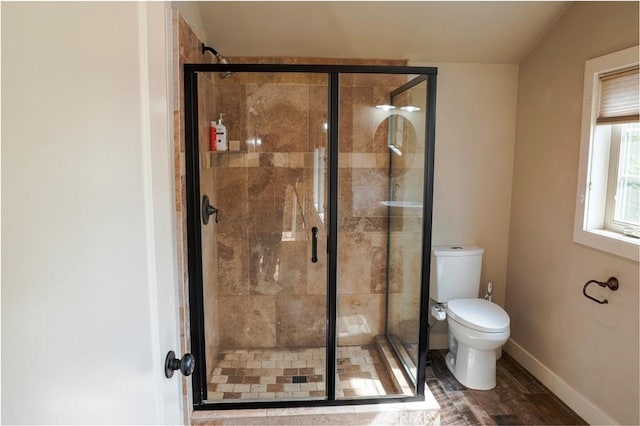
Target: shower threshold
pixel 298 373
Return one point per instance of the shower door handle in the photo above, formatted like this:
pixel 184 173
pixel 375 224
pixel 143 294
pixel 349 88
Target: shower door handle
pixel 314 244
pixel 208 210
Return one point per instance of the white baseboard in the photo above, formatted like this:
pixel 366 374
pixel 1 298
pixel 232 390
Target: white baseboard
pixel 574 399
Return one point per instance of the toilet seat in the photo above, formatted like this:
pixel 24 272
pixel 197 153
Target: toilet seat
pixel 479 314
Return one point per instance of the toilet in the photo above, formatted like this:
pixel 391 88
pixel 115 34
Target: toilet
pixel 477 327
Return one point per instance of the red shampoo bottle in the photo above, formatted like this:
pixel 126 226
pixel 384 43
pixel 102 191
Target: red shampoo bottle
pixel 212 140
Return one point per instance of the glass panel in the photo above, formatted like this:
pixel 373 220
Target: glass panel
pixel 264 300
pixel 627 200
pixel 368 363
pixel 406 188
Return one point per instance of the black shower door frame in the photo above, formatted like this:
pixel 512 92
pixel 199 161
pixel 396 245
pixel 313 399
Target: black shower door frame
pixel 196 298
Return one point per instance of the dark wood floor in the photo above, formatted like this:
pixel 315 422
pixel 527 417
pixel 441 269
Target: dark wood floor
pixel 518 398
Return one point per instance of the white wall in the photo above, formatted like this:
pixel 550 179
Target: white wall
pixel 190 12
pixel 588 352
pixel 475 134
pixel 88 266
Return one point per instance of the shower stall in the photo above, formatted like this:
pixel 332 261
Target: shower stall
pixel 309 239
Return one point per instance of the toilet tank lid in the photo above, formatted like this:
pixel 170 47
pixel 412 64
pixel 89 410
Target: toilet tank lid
pixel 456 250
pixel 478 314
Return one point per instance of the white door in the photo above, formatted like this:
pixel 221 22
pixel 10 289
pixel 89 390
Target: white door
pixel 88 243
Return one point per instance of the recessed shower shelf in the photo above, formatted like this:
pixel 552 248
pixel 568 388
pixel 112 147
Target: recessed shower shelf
pixel 288 160
pixel 291 160
pixel 403 204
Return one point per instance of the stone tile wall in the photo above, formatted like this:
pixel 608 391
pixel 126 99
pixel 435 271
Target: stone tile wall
pixel 209 232
pixel 363 219
pixel 270 294
pixel 264 266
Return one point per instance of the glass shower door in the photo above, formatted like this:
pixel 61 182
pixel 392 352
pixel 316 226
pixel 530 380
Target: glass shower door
pixel 379 236
pixel 309 280
pixel 264 260
pixel 406 142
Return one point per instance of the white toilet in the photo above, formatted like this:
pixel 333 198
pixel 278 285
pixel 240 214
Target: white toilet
pixel 477 327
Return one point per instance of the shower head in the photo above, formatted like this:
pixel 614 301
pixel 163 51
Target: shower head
pixel 221 60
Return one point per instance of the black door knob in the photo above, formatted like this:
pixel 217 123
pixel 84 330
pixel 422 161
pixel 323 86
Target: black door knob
pixel 186 365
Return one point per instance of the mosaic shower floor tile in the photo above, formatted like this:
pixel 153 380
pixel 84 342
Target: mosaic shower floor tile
pixel 297 373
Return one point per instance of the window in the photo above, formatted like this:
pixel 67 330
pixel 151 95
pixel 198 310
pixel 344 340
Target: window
pixel 623 182
pixel 608 202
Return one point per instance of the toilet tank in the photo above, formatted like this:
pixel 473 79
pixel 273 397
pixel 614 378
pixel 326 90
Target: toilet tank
pixel 455 272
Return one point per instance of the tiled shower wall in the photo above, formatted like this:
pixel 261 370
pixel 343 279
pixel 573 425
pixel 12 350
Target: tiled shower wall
pixel 209 234
pixel 270 294
pixel 362 219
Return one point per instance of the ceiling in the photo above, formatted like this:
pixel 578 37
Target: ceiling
pixel 482 32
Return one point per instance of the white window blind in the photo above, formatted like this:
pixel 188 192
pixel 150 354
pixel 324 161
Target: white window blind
pixel 619 96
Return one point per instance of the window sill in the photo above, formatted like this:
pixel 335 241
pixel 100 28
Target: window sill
pixel 610 242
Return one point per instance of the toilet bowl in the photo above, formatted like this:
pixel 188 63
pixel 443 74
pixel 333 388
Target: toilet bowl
pixel 477 327
pixel 477 330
